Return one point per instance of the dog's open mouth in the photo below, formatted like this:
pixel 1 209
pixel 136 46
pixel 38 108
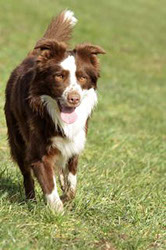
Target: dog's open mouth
pixel 68 114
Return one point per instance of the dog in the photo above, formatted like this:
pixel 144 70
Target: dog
pixel 49 99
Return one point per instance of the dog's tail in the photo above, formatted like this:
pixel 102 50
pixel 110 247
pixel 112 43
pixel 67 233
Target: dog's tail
pixel 61 27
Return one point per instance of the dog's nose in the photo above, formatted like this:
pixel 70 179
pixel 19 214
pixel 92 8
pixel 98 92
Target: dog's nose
pixel 73 98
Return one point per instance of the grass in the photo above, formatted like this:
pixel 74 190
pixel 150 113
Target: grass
pixel 120 203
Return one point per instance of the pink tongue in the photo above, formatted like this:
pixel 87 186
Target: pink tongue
pixel 68 115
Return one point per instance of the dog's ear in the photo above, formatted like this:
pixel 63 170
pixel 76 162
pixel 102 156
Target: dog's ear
pixel 89 49
pixel 48 48
pixel 89 52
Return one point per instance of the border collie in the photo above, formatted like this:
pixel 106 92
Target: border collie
pixel 49 99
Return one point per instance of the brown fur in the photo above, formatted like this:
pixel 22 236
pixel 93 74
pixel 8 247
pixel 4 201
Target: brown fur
pixel 30 128
pixel 59 29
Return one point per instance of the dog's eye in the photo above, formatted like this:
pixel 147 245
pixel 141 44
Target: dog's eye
pixel 59 77
pixel 82 79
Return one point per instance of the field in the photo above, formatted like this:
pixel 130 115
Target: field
pixel 121 198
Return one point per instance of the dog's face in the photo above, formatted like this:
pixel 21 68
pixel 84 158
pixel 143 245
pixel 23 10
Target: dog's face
pixel 66 76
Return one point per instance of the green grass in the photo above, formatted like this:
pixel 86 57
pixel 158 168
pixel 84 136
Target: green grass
pixel 121 198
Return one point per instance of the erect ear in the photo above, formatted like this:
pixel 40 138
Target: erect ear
pixel 48 48
pixel 89 52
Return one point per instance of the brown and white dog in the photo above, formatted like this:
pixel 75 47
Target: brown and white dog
pixel 49 99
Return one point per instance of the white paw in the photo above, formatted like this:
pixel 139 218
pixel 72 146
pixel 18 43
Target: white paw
pixel 72 183
pixel 54 201
pixel 56 205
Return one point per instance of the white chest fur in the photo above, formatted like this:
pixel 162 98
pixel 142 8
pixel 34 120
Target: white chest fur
pixel 74 141
pixel 69 147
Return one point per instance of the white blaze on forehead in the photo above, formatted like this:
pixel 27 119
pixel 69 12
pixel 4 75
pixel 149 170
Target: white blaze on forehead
pixel 69 64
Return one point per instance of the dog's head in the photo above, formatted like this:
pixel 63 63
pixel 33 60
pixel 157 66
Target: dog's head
pixel 66 76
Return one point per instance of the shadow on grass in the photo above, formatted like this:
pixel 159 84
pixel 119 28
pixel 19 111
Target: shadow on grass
pixel 11 191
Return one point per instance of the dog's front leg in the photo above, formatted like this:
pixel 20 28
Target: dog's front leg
pixel 70 178
pixel 43 171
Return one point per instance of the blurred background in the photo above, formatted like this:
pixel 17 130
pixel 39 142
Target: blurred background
pixel 125 151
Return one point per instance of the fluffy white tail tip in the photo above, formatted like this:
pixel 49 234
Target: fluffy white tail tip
pixel 69 16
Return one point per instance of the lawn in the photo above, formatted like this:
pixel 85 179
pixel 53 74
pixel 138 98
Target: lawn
pixel 121 198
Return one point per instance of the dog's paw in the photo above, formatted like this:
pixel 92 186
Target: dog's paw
pixel 56 206
pixel 68 195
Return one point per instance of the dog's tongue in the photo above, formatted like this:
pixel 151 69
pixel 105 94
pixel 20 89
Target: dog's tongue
pixel 68 115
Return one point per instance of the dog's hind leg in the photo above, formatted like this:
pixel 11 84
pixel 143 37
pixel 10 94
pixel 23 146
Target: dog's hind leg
pixel 17 149
pixel 28 185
